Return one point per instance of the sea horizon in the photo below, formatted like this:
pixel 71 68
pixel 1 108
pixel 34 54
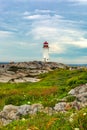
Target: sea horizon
pixel 70 64
pixel 75 65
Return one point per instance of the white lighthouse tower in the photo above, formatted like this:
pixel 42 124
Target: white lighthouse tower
pixel 46 51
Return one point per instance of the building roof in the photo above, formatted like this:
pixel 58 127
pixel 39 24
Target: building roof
pixel 45 44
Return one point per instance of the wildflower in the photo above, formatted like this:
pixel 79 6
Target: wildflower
pixel 23 119
pixel 29 102
pixel 76 129
pixel 72 115
pixel 71 119
pixel 84 114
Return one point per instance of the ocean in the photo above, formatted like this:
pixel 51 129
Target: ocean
pixel 4 62
pixel 76 65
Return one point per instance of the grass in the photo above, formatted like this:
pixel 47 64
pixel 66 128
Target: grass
pixel 52 87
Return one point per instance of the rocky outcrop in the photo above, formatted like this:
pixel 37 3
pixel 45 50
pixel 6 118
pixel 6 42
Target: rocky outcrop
pixel 26 71
pixel 11 112
pixel 81 95
pixel 80 101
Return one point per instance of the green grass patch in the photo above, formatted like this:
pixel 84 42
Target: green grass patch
pixel 53 86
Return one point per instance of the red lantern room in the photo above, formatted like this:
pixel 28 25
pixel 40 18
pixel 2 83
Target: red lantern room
pixel 45 44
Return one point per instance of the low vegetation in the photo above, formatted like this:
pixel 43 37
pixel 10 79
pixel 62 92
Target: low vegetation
pixel 59 121
pixel 52 87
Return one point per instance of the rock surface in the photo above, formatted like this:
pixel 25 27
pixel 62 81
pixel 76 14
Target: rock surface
pixel 80 101
pixel 11 112
pixel 80 93
pixel 26 71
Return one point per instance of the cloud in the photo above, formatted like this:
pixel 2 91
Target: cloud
pixel 25 45
pixel 40 17
pixel 78 1
pixel 38 14
pixel 60 33
pixel 82 43
pixel 82 1
pixel 5 34
pixel 50 29
pixel 44 32
pixel 46 11
pixel 32 17
pixel 26 13
pixel 55 48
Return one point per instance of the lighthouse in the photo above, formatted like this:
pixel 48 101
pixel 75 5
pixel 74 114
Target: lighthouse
pixel 46 51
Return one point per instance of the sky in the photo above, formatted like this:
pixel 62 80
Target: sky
pixel 26 24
